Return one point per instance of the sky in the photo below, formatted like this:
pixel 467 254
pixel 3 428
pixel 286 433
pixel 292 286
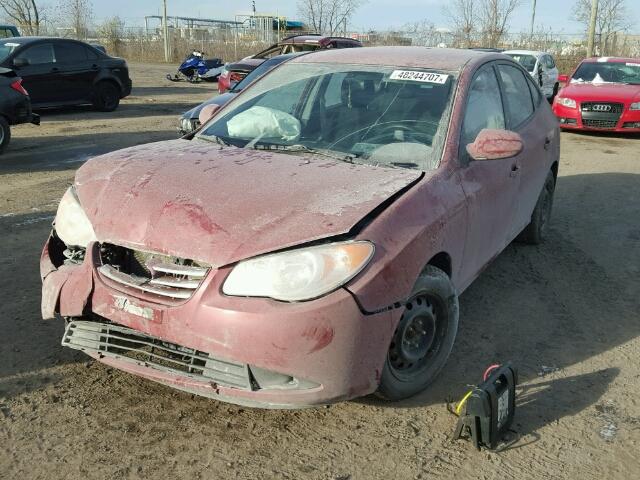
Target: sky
pixel 376 14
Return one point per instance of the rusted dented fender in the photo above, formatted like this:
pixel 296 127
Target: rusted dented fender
pixel 65 289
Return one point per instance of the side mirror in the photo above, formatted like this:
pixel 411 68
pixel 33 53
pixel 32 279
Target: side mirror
pixel 563 78
pixel 495 144
pixel 207 112
pixel 20 62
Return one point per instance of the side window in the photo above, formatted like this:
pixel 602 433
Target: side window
pixel 332 94
pixel 550 62
pixel 518 103
pixel 535 92
pixel 91 55
pixel 38 54
pixel 70 52
pixel 484 106
pixel 5 33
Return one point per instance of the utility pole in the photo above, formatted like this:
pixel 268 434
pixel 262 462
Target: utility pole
pixel 165 31
pixel 533 20
pixel 592 28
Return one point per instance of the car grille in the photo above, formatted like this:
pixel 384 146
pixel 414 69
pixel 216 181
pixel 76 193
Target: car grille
pixel 603 107
pixel 599 123
pixel 115 341
pixel 162 276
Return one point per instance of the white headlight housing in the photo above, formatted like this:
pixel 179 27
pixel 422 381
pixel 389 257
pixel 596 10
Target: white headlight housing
pixel 634 106
pixel 301 274
pixel 567 102
pixel 71 223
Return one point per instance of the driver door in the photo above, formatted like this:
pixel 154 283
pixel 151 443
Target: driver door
pixel 490 186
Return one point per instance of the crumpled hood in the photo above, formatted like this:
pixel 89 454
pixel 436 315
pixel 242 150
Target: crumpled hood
pixel 602 92
pixel 197 200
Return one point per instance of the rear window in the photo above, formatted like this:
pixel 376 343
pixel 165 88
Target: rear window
pixel 527 61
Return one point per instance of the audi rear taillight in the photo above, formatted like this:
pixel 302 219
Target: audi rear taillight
pixel 236 77
pixel 17 86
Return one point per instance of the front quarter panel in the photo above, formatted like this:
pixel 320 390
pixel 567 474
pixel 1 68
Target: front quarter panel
pixel 427 220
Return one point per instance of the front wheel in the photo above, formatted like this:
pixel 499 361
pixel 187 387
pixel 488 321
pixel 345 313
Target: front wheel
pixel 534 233
pixel 106 97
pixel 423 338
pixel 5 134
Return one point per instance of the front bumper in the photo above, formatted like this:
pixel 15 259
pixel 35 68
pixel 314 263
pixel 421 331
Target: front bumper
pixel 575 119
pixel 330 350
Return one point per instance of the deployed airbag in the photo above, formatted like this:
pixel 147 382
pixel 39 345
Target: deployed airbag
pixel 263 122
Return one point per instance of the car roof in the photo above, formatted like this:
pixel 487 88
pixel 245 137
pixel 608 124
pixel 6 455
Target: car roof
pixel 312 39
pixel 423 57
pixel 611 59
pixel 25 40
pixel 535 53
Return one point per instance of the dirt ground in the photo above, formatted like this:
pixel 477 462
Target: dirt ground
pixel 566 313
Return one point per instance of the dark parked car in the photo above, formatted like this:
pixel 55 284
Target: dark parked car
pixel 8 31
pixel 58 72
pixel 15 105
pixel 190 120
pixel 309 244
pixel 235 72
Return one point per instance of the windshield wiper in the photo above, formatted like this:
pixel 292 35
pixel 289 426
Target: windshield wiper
pixel 214 139
pixel 345 157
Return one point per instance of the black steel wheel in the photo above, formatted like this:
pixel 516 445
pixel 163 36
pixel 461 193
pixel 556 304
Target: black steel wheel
pixel 423 338
pixel 106 97
pixel 5 133
pixel 535 232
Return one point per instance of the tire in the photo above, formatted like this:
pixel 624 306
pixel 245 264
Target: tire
pixel 106 97
pixel 534 233
pixel 423 338
pixel 5 134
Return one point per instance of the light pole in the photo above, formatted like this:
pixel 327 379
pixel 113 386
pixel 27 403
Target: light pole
pixel 592 28
pixel 533 20
pixel 165 31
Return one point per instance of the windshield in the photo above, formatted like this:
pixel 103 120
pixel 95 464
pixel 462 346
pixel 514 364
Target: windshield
pixel 364 114
pixel 6 48
pixel 527 61
pixel 608 72
pixel 258 72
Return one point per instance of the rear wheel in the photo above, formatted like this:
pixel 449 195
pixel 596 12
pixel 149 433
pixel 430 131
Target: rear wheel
pixel 534 233
pixel 423 338
pixel 106 97
pixel 5 134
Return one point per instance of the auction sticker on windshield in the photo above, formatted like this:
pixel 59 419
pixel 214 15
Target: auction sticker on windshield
pixel 417 76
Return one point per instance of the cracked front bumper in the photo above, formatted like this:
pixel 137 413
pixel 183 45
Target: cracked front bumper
pixel 329 349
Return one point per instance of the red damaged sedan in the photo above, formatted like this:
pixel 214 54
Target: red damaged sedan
pixel 602 94
pixel 310 243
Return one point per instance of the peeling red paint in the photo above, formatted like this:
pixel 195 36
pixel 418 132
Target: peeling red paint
pixel 322 337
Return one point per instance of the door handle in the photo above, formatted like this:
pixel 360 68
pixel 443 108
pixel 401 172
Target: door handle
pixel 515 168
pixel 547 143
pixel 55 70
pixel 94 67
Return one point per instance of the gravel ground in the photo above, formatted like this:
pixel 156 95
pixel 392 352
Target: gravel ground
pixel 566 313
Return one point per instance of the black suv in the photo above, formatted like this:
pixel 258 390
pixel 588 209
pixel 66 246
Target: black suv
pixel 58 72
pixel 15 105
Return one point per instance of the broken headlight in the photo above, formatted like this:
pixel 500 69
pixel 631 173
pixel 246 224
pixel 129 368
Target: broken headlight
pixel 301 274
pixel 71 224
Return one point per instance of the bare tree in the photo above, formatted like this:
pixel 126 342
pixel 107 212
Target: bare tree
pixel 613 18
pixel 76 14
pixel 25 13
pixel 483 20
pixel 328 16
pixel 462 18
pixel 493 17
pixel 110 33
